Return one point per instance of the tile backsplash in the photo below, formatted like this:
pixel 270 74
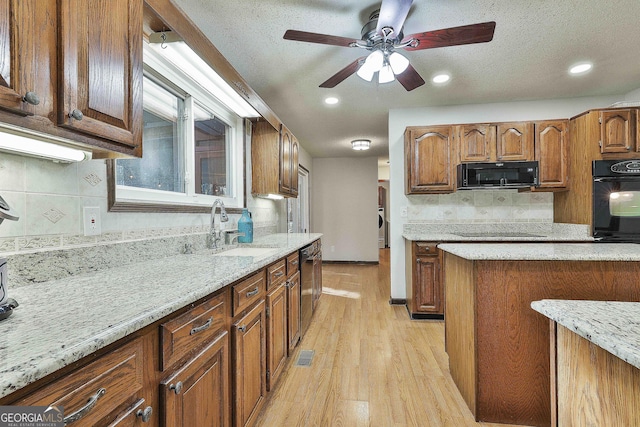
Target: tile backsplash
pixel 49 198
pixel 481 206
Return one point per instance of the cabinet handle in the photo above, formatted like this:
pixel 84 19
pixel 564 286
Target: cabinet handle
pixel 207 325
pixel 145 414
pixel 294 262
pixel 242 328
pixel 80 413
pixel 278 273
pixel 253 292
pixel 31 98
pixel 76 114
pixel 177 387
pixel 287 284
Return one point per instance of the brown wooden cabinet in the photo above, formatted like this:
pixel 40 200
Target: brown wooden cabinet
pixel 551 148
pixel 197 394
pixel 617 130
pixel 108 391
pixel 277 344
pixel 514 141
pixel 425 289
pixel 73 69
pixel 249 355
pixel 293 310
pixel 477 142
pixel 274 160
pixel 429 156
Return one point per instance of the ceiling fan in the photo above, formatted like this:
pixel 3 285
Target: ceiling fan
pixel 383 37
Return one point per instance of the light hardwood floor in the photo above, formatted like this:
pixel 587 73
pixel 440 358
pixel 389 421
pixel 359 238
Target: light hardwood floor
pixel 372 366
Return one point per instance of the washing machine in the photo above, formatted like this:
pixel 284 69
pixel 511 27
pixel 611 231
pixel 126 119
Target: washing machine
pixel 382 229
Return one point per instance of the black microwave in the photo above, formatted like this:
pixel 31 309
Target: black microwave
pixel 498 175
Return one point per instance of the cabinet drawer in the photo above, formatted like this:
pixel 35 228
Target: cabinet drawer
pixel 428 249
pixel 192 329
pixel 113 382
pixel 293 266
pixel 276 274
pixel 248 292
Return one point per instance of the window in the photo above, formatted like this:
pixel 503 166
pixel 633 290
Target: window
pixel 192 148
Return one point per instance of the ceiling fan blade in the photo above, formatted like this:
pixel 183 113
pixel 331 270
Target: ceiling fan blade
pixel 303 36
pixel 343 74
pixel 467 34
pixel 393 14
pixel 410 78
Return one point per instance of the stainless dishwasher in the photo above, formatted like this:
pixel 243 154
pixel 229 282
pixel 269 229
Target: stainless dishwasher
pixel 310 282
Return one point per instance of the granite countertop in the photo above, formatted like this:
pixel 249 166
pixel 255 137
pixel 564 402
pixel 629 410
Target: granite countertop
pixel 497 232
pixel 60 321
pixel 545 251
pixel 612 325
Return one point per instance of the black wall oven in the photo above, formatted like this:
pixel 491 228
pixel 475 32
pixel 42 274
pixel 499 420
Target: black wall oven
pixel 616 200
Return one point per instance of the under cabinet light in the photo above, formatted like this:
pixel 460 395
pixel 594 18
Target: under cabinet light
pixel 25 144
pixel 270 196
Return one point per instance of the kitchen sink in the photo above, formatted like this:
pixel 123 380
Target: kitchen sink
pixel 245 251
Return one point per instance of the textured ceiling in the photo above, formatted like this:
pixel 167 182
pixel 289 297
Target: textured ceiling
pixel 534 44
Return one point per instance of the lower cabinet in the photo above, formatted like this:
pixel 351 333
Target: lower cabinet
pixel 293 310
pixel 197 394
pixel 277 347
pixel 425 290
pixel 249 354
pixel 108 391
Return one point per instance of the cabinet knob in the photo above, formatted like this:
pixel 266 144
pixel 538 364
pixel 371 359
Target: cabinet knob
pixel 242 328
pixel 177 387
pixel 145 414
pixel 76 114
pixel 31 98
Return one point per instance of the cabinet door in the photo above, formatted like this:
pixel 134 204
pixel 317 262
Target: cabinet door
pixel 197 394
pixel 285 160
pixel 317 279
pixel 476 142
pixel 616 131
pixel 250 365
pixel 28 56
pixel 101 69
pixel 277 344
pixel 429 160
pixel 551 152
pixel 514 141
pixel 427 285
pixel 294 167
pixel 293 307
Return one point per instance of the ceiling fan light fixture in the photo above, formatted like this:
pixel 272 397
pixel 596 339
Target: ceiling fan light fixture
pixel 386 75
pixel 398 63
pixel 365 73
pixel 360 144
pixel 375 61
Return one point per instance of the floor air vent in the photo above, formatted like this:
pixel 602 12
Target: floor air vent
pixel 305 358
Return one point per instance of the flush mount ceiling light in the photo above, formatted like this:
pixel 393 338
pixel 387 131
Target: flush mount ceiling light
pixel 360 144
pixel 383 37
pixel 580 68
pixel 331 100
pixel 441 78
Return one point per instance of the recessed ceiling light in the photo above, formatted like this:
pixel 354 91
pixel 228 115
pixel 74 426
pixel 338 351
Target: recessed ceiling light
pixel 441 78
pixel 580 68
pixel 332 100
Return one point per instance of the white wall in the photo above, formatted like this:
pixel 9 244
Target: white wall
pixel 344 207
pixel 399 119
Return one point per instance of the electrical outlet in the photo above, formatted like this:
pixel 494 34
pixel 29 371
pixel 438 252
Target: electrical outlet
pixel 91 221
pixel 403 212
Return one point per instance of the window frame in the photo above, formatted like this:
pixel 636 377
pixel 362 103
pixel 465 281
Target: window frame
pixel 132 199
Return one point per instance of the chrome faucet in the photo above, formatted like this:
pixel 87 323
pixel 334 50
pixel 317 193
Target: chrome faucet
pixel 231 235
pixel 214 236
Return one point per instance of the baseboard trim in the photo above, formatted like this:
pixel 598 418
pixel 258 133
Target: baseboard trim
pixel 351 262
pixel 397 301
pixel 426 316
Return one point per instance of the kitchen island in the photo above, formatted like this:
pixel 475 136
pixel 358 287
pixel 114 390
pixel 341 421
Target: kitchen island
pixel 498 346
pixel 596 356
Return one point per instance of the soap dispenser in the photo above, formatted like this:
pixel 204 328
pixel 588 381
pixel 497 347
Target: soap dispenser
pixel 245 227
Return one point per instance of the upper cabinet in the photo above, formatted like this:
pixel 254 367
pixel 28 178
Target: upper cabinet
pixel 551 152
pixel 73 69
pixel 617 131
pixel 429 156
pixel 101 69
pixel 274 160
pixel 477 142
pixel 514 141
